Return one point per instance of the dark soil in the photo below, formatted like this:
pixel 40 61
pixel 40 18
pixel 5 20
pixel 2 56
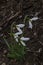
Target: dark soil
pixel 16 10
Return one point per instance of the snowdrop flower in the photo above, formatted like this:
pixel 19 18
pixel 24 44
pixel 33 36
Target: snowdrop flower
pixel 30 21
pixel 20 25
pixel 34 19
pixel 23 43
pixel 30 24
pixel 24 39
pixel 16 37
pixel 20 31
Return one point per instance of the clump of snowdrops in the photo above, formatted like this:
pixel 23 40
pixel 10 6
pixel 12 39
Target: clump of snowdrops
pixel 17 46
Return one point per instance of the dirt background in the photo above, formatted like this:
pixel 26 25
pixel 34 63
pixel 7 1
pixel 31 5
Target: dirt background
pixel 16 10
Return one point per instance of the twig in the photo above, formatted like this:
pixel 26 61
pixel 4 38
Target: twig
pixel 13 16
pixel 5 24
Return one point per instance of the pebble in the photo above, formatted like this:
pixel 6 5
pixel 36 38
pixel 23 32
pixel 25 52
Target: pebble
pixel 5 51
pixel 35 33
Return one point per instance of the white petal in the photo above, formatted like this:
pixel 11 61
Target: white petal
pixel 16 39
pixel 18 33
pixel 20 25
pixel 19 29
pixel 24 39
pixel 34 19
pixel 23 43
pixel 30 24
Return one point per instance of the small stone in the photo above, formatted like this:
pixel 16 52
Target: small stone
pixel 35 33
pixel 40 49
pixel 20 16
pixel 5 51
pixel 3 64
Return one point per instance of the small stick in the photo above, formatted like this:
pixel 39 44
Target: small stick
pixel 7 21
pixel 14 16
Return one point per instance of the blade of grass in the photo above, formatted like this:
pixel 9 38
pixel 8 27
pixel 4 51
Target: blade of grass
pixel 6 42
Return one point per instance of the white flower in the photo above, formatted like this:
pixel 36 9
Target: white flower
pixel 24 39
pixel 18 33
pixel 30 24
pixel 16 37
pixel 34 19
pixel 23 43
pixel 20 25
pixel 19 29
